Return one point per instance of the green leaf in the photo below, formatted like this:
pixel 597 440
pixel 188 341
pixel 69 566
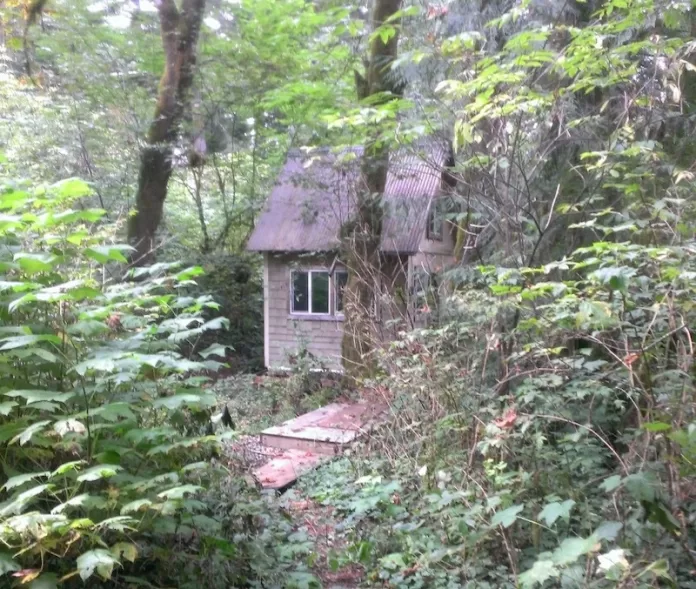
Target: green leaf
pixel 100 364
pixel 186 400
pixel 101 471
pixel 7 406
pixel 573 548
pixel 67 467
pixel 35 263
pixel 99 560
pixel 215 350
pixel 180 492
pixel 84 501
pixel 113 411
pixel 108 253
pixel 40 396
pixel 126 550
pixel 608 531
pixel 71 188
pixel 20 479
pixel 542 571
pixel 120 523
pixel 137 505
pixel 7 564
pixel 29 432
pixel 45 581
pixel 657 426
pixel 507 517
pixel 552 511
pixel 20 341
pixel 611 483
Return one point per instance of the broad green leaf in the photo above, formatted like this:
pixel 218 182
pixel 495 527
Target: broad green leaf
pixel 542 571
pixel 67 467
pixel 103 364
pixel 657 426
pixel 37 396
pixel 120 523
pixel 552 511
pixel 71 188
pixel 45 581
pixel 125 550
pixel 186 400
pixel 85 501
pixel 215 350
pixel 7 564
pixel 180 492
pixel 137 505
pixel 608 531
pixel 29 432
pixel 99 560
pixel 573 548
pixel 21 341
pixel 7 406
pixel 101 471
pixel 35 263
pixel 506 517
pixel 108 253
pixel 19 502
pixel 20 479
pixel 611 483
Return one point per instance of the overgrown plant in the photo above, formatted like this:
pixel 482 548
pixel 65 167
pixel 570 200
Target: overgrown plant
pixel 101 416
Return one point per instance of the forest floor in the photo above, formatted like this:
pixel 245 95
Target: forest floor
pixel 255 403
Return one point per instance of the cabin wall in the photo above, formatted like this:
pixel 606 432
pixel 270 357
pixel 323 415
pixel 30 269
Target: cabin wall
pixel 286 334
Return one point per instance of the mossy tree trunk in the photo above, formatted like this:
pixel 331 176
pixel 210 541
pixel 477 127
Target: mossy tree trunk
pixel 180 29
pixel 361 237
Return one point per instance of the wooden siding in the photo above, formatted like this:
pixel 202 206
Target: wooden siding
pixel 287 334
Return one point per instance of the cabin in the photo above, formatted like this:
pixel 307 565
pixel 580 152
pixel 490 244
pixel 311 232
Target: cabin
pixel 298 234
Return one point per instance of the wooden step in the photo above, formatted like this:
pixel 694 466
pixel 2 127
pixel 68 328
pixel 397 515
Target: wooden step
pixel 327 430
pixel 285 469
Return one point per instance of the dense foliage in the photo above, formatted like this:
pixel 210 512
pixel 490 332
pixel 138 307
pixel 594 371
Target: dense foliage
pixel 542 434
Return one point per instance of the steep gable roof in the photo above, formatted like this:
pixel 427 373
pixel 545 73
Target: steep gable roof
pixel 315 195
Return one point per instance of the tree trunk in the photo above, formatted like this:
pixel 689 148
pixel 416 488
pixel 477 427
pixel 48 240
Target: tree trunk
pixel 180 29
pixel 362 236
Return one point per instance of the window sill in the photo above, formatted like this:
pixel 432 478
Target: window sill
pixel 310 317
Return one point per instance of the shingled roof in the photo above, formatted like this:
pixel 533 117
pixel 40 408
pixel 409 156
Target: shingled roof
pixel 315 194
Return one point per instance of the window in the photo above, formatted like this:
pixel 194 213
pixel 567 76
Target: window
pixel 435 220
pixel 341 279
pixel 421 290
pixel 311 292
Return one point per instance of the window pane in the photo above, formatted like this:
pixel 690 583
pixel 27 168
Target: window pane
pixel 435 220
pixel 341 281
pixel 300 292
pixel 320 292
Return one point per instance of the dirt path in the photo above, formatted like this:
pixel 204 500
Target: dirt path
pixel 320 524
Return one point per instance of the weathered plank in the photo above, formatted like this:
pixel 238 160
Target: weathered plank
pixel 283 470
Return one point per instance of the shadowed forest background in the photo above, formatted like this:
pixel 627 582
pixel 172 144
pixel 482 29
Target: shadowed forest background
pixel 541 428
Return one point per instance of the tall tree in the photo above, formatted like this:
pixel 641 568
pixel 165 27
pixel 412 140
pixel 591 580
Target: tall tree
pixel 180 29
pixel 362 236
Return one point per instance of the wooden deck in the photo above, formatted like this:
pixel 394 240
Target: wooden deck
pixel 313 438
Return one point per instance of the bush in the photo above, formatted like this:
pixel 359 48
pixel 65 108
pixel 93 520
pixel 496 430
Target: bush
pixel 235 282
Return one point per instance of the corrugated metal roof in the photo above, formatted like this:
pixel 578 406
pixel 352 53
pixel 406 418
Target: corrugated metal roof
pixel 315 195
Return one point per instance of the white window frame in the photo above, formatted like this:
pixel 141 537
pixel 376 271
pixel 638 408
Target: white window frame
pixel 435 212
pixel 309 272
